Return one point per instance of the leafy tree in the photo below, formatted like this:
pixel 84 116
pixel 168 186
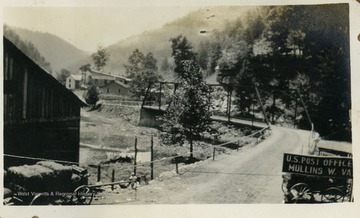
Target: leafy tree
pixel 136 63
pixel 214 56
pixel 165 66
pixel 188 115
pixel 150 62
pixel 323 55
pixel 255 26
pixel 203 55
pixel 100 57
pixel 181 51
pixel 141 81
pixel 85 67
pixel 92 96
pixel 64 73
pixel 143 71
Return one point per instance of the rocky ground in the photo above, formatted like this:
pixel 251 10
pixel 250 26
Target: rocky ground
pixel 250 175
pixel 112 130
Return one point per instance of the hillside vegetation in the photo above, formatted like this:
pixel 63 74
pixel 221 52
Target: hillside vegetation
pixel 59 53
pixel 285 50
pixel 158 41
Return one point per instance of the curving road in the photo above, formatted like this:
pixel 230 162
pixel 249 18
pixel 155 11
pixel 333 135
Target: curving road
pixel 252 175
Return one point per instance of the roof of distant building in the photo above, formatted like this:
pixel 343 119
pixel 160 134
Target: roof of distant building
pixel 117 82
pixel 76 77
pixel 110 75
pixel 103 77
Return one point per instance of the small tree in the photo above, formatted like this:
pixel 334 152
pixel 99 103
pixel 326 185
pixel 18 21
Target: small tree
pixel 142 70
pixel 188 115
pixel 135 63
pixel 85 67
pixel 141 80
pixel 92 96
pixel 181 51
pixel 100 58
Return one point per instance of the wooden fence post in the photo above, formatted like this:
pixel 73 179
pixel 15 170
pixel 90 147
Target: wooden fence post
pixel 112 179
pixel 296 105
pixel 135 155
pixel 99 173
pixel 152 158
pixel 214 154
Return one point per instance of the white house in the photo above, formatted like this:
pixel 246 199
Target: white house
pixel 73 82
pixel 100 79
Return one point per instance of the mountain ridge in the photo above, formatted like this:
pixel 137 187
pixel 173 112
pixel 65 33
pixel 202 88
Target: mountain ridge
pixel 65 55
pixel 157 40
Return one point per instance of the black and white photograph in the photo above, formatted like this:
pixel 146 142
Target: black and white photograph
pixel 198 104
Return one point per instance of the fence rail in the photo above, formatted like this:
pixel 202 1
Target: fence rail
pixel 215 148
pixel 220 148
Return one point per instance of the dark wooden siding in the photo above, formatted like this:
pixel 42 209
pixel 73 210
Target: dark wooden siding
pixel 41 117
pixel 114 88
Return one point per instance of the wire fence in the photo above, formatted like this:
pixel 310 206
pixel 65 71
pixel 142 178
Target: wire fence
pixel 147 166
pixel 111 177
pixel 40 159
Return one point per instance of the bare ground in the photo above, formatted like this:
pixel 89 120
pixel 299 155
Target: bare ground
pixel 252 175
pixel 103 133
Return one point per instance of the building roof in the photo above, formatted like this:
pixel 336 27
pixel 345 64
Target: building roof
pixel 76 77
pixel 44 74
pixel 103 77
pixel 335 146
pixel 117 82
pixel 122 84
pixel 110 75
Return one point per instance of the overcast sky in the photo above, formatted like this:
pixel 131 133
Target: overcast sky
pixel 87 28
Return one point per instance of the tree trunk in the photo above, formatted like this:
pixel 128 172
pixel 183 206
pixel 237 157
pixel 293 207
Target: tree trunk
pixel 191 148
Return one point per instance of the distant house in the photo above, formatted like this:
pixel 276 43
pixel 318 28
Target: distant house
pixel 41 116
pixel 73 82
pixel 101 79
pixel 115 88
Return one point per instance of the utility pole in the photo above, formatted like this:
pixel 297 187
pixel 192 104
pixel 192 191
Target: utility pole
pixel 146 94
pixel 135 155
pixel 229 104
pixel 160 97
pixel 261 105
pixel 152 158
pixel 306 111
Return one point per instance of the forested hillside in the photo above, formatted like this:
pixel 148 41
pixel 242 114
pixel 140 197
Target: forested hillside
pixel 59 53
pixel 284 50
pixel 28 48
pixel 158 41
pixel 287 50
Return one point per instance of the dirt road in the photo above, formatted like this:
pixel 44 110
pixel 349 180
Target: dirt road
pixel 252 175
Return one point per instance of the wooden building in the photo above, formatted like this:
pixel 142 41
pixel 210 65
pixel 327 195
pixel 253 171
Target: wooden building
pixel 41 116
pixel 100 79
pixel 73 82
pixel 115 88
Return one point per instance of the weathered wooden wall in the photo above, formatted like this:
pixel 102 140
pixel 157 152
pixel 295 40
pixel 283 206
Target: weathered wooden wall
pixel 41 117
